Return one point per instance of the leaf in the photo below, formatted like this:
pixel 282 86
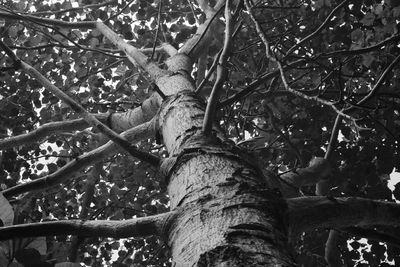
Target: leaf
pixel 367 59
pixel 357 35
pixel 368 19
pixel 6 211
pixel 13 31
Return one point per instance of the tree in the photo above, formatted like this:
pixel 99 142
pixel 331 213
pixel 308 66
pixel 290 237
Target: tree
pixel 209 133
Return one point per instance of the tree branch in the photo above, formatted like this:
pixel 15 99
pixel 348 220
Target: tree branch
pixel 222 72
pixel 47 129
pixel 65 173
pixel 319 29
pixel 137 227
pixel 91 182
pixel 134 54
pixel 194 46
pixel 318 169
pixel 125 144
pixel 377 86
pixel 332 253
pixel 255 84
pixel 309 213
pixel 52 22
pixel 281 69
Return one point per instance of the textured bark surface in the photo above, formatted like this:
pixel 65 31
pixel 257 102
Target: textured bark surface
pixel 228 215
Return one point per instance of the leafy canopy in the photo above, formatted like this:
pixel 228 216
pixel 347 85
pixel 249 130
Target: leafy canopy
pixel 341 63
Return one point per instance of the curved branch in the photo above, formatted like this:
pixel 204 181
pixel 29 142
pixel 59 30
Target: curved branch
pixel 137 227
pixel 65 173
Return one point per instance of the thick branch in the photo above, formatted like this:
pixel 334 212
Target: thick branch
pixel 136 134
pixel 137 227
pixel 309 213
pixel 134 54
pixel 195 45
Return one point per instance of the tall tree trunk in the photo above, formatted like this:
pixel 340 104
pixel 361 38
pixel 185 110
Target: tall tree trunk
pixel 228 215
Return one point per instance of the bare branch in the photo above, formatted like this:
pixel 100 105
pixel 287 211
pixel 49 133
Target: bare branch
pixel 125 144
pixel 65 173
pixel 137 227
pixel 134 55
pixel 47 129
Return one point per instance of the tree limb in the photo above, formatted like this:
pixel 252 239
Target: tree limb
pixel 125 144
pixel 137 227
pixel 222 72
pixel 309 213
pixel 47 129
pixel 65 173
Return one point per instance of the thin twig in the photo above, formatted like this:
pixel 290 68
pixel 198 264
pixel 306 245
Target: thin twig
pixel 158 30
pixel 118 13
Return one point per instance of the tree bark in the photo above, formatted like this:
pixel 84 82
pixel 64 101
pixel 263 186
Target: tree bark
pixel 228 215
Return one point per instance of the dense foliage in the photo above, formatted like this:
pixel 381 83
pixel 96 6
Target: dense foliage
pixel 344 65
